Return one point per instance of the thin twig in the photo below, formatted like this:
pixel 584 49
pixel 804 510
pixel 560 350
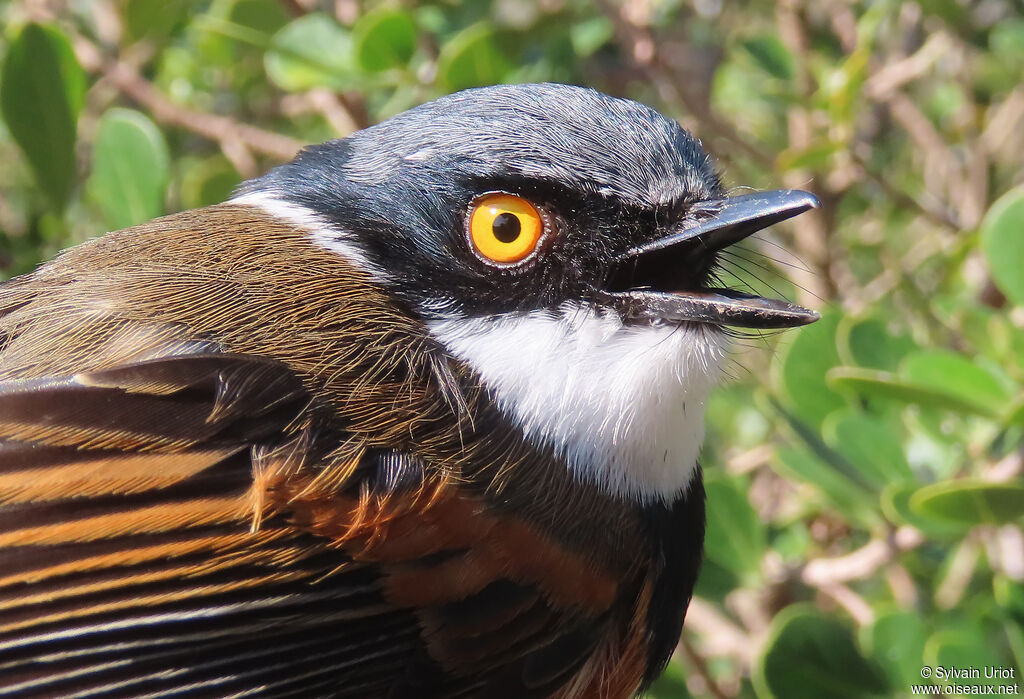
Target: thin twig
pixel 855 605
pixel 811 233
pixel 639 45
pixel 862 563
pixel 229 133
pixel 701 666
pixel 932 213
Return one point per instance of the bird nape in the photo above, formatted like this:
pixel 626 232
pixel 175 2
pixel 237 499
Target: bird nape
pixel 415 415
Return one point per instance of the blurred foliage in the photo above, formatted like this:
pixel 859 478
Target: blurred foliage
pixel 864 474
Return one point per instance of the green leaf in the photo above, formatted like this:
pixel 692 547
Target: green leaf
pixel 1014 631
pixel 801 370
pixel 735 536
pixel 811 655
pixel 714 582
pixel 868 342
pixel 590 35
pixel 1002 241
pixel 955 375
pixel 1006 40
pixel 970 502
pixel 961 647
pixel 263 16
pixel 205 182
pixel 825 453
pixel 1015 413
pixel 129 168
pixel 815 157
pixel 883 384
pixel 870 445
pixel 671 684
pixel 896 641
pixel 154 20
pixel 802 465
pixel 1009 594
pixel 42 88
pixel 473 58
pixel 895 502
pixel 311 51
pixel 383 39
pixel 793 542
pixel 771 54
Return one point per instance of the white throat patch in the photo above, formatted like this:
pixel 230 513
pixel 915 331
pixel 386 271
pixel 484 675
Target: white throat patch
pixel 623 404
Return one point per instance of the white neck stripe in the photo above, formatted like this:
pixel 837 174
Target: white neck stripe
pixel 322 232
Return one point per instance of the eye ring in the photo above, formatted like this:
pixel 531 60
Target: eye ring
pixel 504 229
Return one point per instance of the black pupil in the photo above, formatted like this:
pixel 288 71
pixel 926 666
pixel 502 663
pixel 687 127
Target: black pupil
pixel 506 227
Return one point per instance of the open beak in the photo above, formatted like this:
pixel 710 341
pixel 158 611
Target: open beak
pixel 661 279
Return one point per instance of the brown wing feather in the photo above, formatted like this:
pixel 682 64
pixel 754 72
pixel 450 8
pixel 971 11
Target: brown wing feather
pixel 128 560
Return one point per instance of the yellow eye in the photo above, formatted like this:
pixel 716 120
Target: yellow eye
pixel 505 228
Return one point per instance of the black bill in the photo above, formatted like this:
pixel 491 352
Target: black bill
pixel 660 272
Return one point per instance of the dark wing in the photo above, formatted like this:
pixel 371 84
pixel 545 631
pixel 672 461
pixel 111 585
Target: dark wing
pixel 129 559
pixel 187 526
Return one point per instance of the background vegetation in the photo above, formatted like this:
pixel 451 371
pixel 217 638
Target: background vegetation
pixel 864 474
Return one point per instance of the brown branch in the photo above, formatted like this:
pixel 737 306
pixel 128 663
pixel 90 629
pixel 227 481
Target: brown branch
pixel 701 666
pixel 935 214
pixel 720 635
pixel 891 77
pixel 811 233
pixel 883 88
pixel 862 563
pixel 233 136
pixel 855 605
pixel 335 110
pixel 640 47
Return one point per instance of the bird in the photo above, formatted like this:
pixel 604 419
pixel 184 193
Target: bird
pixel 416 414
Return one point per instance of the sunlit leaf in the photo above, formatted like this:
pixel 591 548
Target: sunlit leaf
pixel 590 35
pixel 735 536
pixel 883 384
pixel 383 39
pixel 42 88
pixel 207 181
pixel 870 445
pixel 1006 41
pixel 472 58
pixel 803 466
pixel 130 166
pixel 1015 413
pixel 826 455
pixel 801 370
pixel 145 19
pixel 809 655
pixel 895 502
pixel 971 501
pixel 264 16
pixel 311 51
pixel 896 642
pixel 770 54
pixel 955 375
pixel 715 582
pixel 870 343
pixel 1010 595
pixel 815 157
pixel 671 684
pixel 1002 240
pixel 962 647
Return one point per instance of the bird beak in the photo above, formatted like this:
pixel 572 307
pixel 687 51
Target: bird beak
pixel 646 285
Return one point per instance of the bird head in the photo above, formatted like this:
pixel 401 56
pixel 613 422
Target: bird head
pixel 560 243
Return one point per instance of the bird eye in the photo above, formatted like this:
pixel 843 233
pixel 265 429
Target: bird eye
pixel 505 228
